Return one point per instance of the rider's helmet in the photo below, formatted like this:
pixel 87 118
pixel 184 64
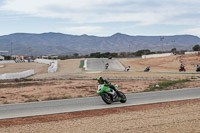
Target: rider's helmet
pixel 100 80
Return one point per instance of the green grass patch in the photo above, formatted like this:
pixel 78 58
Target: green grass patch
pixel 5 85
pixel 164 84
pixel 81 64
pixel 28 79
pixel 32 100
pixel 19 84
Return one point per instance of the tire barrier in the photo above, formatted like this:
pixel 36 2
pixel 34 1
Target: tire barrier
pixel 156 55
pixel 53 64
pixel 18 75
pixel 20 61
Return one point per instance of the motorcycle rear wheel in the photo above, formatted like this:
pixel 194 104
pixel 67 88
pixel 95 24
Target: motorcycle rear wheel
pixel 106 98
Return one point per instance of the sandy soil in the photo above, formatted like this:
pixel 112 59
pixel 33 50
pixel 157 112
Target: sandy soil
pixel 65 69
pixel 168 64
pixel 182 117
pixel 29 91
pixel 139 75
pixel 173 117
pixel 85 84
pixel 20 67
pixel 70 68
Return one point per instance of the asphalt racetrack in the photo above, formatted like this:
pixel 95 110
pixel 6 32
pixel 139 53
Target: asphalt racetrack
pixel 99 64
pixel 8 111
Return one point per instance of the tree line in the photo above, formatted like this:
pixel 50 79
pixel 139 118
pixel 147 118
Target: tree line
pixel 125 54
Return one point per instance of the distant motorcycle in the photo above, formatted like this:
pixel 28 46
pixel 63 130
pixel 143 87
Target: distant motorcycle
pixel 197 68
pixel 106 66
pixel 127 69
pixel 182 69
pixel 147 69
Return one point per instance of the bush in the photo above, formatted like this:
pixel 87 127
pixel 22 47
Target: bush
pixel 166 83
pixel 196 47
pixel 142 52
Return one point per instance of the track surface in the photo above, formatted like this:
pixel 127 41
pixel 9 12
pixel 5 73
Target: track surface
pixel 99 64
pixel 81 104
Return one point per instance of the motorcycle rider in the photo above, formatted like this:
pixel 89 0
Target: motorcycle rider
pixel 197 68
pixel 181 68
pixel 106 66
pixel 127 68
pixel 147 69
pixel 106 83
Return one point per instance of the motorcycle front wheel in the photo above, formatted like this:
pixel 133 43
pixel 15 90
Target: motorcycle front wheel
pixel 106 98
pixel 123 97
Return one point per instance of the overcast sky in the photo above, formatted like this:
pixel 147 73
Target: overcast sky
pixel 101 17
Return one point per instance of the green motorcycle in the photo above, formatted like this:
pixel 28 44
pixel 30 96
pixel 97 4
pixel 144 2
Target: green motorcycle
pixel 109 95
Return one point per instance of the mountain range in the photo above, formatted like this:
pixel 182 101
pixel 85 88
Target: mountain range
pixel 65 44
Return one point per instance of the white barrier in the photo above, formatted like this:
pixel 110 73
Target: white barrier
pixel 7 61
pixel 53 64
pixel 156 55
pixel 17 75
pixel 1 57
pixel 85 64
pixel 194 52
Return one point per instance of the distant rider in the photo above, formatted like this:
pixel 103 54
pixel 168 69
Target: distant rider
pixel 181 66
pixel 107 65
pixel 127 68
pixel 197 68
pixel 147 69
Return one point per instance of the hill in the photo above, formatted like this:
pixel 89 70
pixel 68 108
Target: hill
pixel 62 44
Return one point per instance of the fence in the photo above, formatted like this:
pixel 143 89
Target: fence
pixel 17 75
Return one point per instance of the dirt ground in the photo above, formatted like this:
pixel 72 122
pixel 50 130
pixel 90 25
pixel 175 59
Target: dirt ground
pixel 166 64
pixel 29 91
pixel 20 67
pixel 161 68
pixel 71 81
pixel 172 117
pixel 66 68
